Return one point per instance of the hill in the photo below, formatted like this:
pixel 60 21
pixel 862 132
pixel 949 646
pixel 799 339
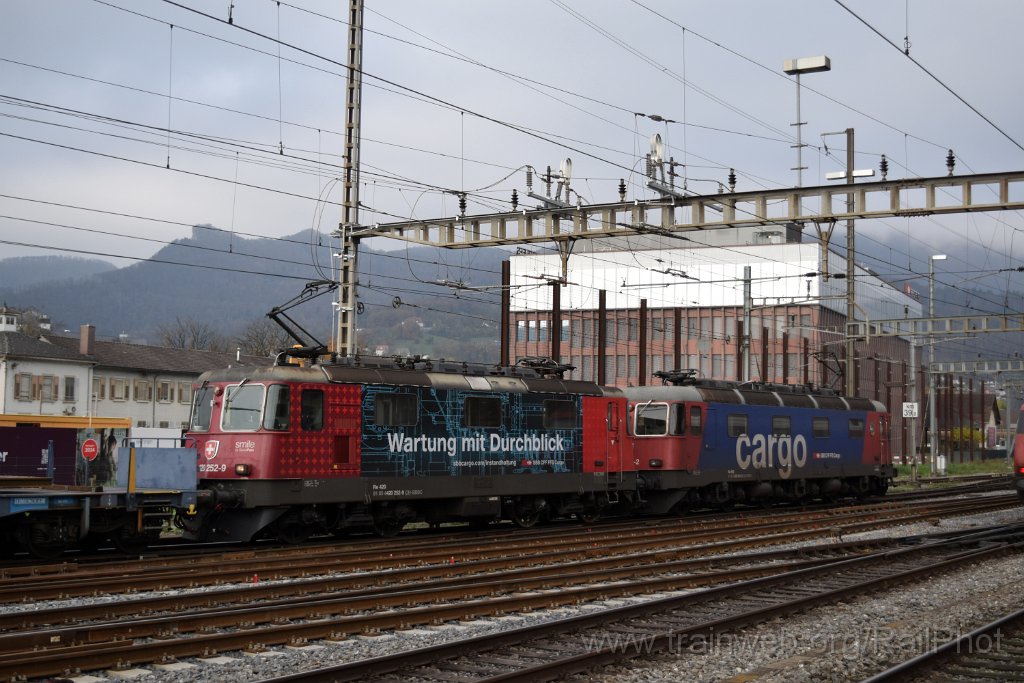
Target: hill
pixel 27 271
pixel 230 285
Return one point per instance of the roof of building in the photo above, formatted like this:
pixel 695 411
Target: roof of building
pixel 124 356
pixel 24 346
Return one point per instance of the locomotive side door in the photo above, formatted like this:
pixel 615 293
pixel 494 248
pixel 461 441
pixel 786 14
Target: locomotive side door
pixel 876 443
pixel 602 434
pixel 613 422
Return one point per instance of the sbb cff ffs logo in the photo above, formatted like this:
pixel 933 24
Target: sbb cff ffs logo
pixel 211 449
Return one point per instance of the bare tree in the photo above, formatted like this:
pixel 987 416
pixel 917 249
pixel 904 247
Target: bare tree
pixel 263 338
pixel 189 333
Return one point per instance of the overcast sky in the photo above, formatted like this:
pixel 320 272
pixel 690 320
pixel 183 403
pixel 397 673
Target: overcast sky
pixel 449 87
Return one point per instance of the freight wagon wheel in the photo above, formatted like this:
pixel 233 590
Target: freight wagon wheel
pixel 129 541
pixel 42 544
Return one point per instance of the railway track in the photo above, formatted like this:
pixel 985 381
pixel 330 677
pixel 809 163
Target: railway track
pixel 575 645
pixel 457 555
pixel 115 634
pixel 993 652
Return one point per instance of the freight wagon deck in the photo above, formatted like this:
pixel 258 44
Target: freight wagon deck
pixel 44 519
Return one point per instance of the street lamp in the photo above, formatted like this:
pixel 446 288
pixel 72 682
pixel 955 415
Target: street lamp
pixel 933 436
pixel 795 67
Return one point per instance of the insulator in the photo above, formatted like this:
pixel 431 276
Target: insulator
pixel 732 180
pixel 462 203
pixel 650 167
pixel 515 199
pixel 547 180
pixel 884 167
pixel 622 189
pixel 950 161
pixel 529 178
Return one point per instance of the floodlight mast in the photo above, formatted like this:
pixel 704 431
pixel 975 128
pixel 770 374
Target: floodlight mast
pixel 345 343
pixel 795 67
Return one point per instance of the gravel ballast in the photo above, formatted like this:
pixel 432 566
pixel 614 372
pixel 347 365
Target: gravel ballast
pixel 845 642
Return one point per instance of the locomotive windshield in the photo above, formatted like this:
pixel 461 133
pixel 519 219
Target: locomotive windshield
pixel 651 419
pixel 243 406
pixel 202 409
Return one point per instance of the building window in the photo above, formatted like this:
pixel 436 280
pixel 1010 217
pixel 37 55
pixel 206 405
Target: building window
pixel 69 388
pixel 99 388
pixel 165 392
pixel 143 390
pixel 165 424
pixel 521 331
pixel 184 392
pixel 23 386
pixel 45 388
pixel 118 389
pixel 141 423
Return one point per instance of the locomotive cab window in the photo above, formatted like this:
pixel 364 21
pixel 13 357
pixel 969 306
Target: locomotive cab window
pixel 736 424
pixel 276 417
pixel 821 427
pixel 482 411
pixel 696 420
pixel 651 419
pixel 782 425
pixel 312 410
pixel 559 414
pixel 856 428
pixel 243 406
pixel 394 410
pixel 202 409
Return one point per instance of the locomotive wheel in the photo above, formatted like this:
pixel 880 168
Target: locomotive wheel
pixel 526 517
pixel 293 533
pixel 589 515
pixel 387 526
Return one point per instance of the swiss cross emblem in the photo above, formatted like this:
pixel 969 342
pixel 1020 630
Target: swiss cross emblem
pixel 211 449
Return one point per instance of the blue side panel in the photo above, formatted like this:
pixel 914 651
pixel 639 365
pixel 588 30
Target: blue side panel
pixel 439 445
pixel 760 454
pixel 159 468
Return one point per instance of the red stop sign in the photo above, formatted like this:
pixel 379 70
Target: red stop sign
pixel 90 449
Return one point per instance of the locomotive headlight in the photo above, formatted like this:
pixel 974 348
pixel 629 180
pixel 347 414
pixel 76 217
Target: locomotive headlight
pixel 243 469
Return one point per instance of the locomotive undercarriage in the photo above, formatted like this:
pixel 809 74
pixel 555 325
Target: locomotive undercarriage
pixel 675 493
pixel 244 512
pixel 293 510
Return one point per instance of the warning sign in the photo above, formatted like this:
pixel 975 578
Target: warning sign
pixel 90 449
